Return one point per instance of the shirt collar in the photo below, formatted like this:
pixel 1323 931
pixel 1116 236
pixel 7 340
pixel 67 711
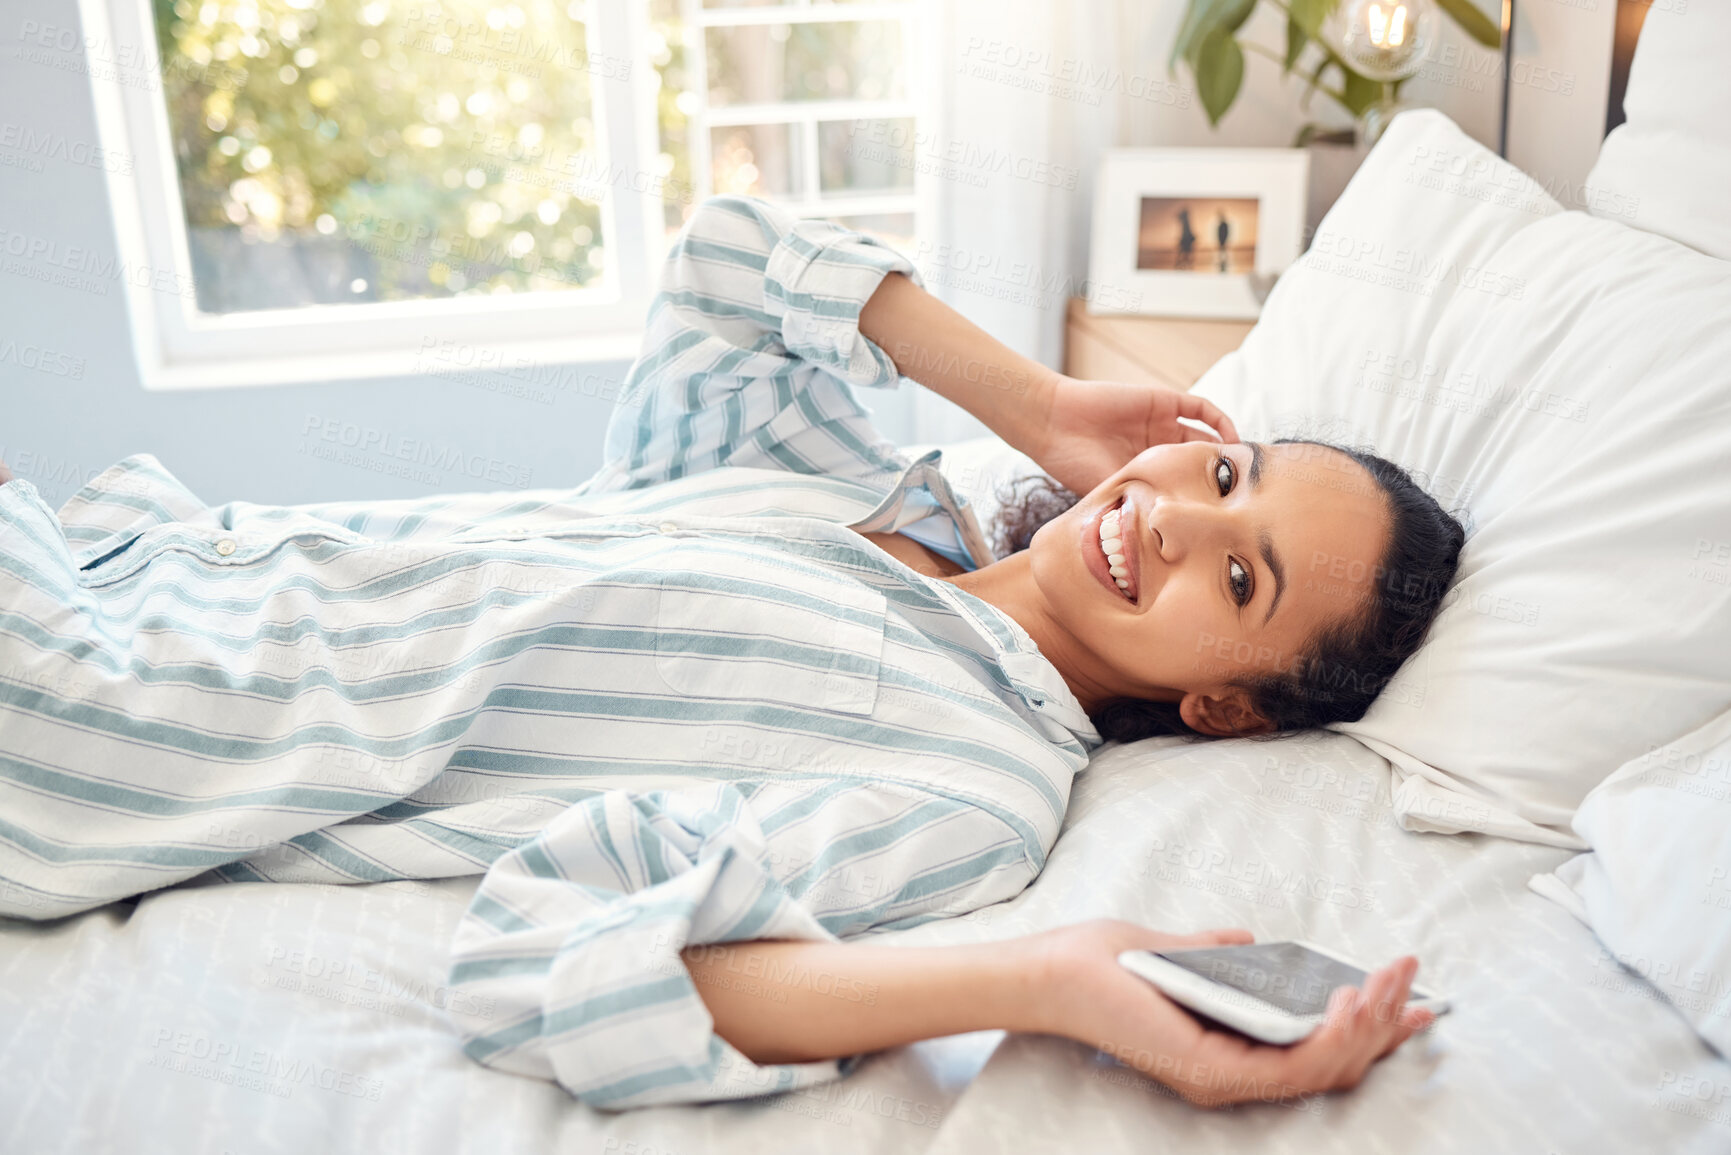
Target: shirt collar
pixel 1030 672
pixel 1032 675
pixel 129 497
pixel 904 504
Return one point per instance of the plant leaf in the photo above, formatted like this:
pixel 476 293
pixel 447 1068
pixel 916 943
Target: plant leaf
pixel 1201 19
pixel 1219 73
pixel 1309 14
pixel 1477 25
pixel 1296 39
pixel 1235 12
pixel 1315 81
pixel 1360 91
pixel 1194 24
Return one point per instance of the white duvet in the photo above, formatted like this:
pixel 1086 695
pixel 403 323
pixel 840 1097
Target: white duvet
pixel 295 1018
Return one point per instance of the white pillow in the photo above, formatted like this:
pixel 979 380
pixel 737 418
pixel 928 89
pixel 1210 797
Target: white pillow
pixel 1568 380
pixel 1667 168
pixel 1656 888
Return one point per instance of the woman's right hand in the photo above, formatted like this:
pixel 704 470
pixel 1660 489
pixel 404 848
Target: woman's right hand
pixel 1086 431
pixel 1095 1001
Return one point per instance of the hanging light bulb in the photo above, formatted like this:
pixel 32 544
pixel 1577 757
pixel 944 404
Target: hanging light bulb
pixel 1386 41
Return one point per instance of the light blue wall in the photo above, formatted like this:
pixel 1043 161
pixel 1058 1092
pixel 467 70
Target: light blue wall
pixel 251 443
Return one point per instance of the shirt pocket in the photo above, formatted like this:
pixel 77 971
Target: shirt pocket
pixel 814 642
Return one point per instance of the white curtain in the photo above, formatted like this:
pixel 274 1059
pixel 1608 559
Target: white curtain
pixel 1025 95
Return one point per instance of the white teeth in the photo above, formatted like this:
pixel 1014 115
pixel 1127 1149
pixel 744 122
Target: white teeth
pixel 1112 545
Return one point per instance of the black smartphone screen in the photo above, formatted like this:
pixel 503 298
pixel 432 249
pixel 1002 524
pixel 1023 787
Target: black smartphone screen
pixel 1292 977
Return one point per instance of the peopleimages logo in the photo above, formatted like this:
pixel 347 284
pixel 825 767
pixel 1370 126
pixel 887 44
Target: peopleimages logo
pixel 42 360
pixel 1041 71
pixel 989 274
pixel 254 1068
pixel 432 28
pixel 130 66
pixel 82 268
pixel 348 973
pixel 890 142
pixel 1408 269
pixel 386 445
pixel 483 367
pixel 60 147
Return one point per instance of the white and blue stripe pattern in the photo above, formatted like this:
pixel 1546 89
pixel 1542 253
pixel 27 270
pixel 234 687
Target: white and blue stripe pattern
pixel 684 702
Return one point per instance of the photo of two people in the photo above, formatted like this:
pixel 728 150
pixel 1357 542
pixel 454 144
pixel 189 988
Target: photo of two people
pixel 1197 234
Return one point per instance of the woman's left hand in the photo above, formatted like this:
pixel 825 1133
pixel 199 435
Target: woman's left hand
pixel 1093 428
pixel 1093 999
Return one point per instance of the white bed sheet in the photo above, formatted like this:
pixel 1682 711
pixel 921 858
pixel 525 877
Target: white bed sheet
pixel 115 1025
pixel 1552 1047
pixel 300 1018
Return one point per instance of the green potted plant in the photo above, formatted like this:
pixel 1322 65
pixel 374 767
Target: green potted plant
pixel 1341 47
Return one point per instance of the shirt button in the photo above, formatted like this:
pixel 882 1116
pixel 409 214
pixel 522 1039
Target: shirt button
pixel 667 527
pixel 225 547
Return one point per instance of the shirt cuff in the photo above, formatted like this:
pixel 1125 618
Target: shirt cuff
pixel 559 974
pixel 818 278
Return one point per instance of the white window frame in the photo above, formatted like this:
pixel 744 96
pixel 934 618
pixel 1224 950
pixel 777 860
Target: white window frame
pixel 803 115
pixel 179 347
pixel 924 67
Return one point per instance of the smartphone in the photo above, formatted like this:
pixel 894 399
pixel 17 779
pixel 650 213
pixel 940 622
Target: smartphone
pixel 1276 992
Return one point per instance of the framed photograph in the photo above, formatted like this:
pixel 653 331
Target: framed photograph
pixel 1195 232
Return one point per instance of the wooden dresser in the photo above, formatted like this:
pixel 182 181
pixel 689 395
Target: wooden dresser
pixel 1171 351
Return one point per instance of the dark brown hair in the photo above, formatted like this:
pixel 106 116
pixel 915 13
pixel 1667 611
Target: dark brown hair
pixel 1349 662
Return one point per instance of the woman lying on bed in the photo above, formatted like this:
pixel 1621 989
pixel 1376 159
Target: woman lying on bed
pixel 758 685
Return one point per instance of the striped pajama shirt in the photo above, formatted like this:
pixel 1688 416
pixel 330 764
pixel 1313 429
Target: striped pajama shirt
pixel 682 703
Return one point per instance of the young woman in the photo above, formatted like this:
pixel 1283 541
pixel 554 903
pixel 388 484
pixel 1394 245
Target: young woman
pixel 758 686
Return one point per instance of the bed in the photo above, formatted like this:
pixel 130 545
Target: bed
pixel 270 1018
pixel 1494 820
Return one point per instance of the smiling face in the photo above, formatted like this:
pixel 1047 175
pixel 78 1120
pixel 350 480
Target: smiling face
pixel 1232 559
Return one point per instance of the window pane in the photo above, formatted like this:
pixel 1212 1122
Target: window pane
pixel 756 159
pixel 794 4
pixel 840 60
pixel 894 229
pixel 780 3
pixel 334 151
pixel 866 156
pixel 674 104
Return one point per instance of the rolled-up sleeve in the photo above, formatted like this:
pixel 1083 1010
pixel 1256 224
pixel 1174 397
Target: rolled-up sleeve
pixel 752 350
pixel 567 964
